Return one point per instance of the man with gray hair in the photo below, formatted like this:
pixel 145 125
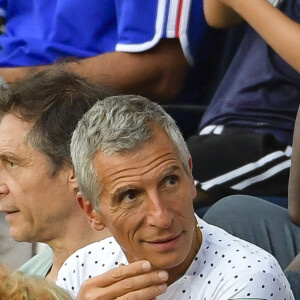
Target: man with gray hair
pixel 134 172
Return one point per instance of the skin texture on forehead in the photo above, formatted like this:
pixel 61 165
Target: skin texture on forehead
pixel 13 133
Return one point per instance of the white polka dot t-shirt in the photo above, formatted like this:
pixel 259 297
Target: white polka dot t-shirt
pixel 224 268
pixel 227 267
pixel 92 260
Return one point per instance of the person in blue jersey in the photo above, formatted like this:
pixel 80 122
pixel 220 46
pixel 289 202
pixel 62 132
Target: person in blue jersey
pixel 245 135
pixel 145 47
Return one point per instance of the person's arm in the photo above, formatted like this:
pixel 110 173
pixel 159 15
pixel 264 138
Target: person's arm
pixel 158 73
pixel 294 266
pixel 219 15
pixel 278 30
pixel 294 180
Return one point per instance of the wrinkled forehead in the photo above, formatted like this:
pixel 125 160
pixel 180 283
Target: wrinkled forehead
pixel 157 153
pixel 14 137
pixel 13 128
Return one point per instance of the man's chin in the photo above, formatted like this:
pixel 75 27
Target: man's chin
pixel 169 262
pixel 21 237
pixel 17 238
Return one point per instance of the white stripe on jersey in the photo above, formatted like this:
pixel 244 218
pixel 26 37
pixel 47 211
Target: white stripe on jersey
pixel 159 27
pixel 245 169
pixel 172 18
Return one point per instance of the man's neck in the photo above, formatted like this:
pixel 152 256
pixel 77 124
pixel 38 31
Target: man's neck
pixel 65 246
pixel 179 271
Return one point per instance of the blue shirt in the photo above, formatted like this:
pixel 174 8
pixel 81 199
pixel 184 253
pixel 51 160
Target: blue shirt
pixel 43 31
pixel 260 90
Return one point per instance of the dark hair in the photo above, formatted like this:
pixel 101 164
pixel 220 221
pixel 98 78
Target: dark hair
pixel 54 100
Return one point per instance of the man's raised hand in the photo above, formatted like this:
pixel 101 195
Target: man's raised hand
pixel 134 281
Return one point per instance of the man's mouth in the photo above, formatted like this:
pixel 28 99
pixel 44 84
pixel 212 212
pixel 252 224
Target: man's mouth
pixel 165 243
pixel 9 211
pixel 10 214
pixel 165 240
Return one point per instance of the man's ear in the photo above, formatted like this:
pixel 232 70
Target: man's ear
pixel 72 179
pixel 191 164
pixel 95 220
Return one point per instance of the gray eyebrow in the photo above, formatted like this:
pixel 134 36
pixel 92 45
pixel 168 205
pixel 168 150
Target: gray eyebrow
pixel 170 170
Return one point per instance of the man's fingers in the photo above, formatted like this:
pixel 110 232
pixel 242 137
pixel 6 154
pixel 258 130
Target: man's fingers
pixel 122 272
pixel 152 283
pixel 126 280
pixel 149 293
pixel 141 281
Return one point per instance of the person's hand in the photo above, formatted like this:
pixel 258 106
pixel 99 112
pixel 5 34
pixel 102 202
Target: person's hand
pixel 134 281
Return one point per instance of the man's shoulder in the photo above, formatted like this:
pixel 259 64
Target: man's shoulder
pixel 90 261
pixel 221 248
pixel 39 264
pixel 230 263
pixel 98 253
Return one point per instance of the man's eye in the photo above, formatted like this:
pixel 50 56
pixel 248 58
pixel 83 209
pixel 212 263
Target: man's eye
pixel 171 180
pixel 129 195
pixel 12 164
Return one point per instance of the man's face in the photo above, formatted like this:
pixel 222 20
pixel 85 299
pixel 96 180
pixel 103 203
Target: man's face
pixel 147 203
pixel 35 203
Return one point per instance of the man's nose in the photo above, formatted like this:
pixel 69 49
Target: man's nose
pixel 159 213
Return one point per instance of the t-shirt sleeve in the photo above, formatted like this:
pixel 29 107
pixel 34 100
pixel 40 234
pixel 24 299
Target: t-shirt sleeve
pixel 142 24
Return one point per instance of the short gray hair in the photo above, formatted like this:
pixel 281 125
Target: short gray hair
pixel 116 125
